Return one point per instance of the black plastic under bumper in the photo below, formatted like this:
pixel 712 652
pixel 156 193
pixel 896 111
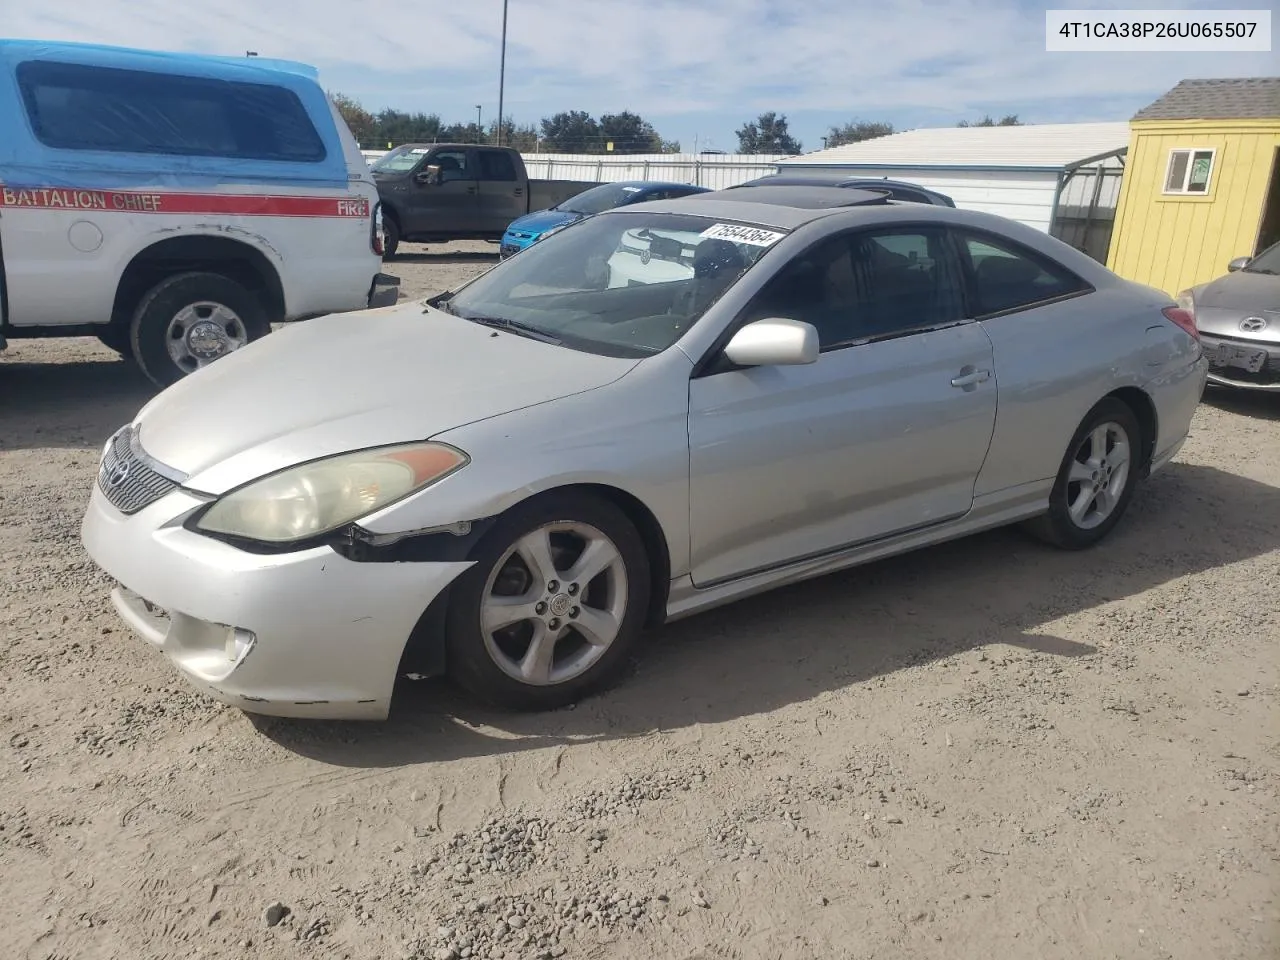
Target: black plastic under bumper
pixel 384 291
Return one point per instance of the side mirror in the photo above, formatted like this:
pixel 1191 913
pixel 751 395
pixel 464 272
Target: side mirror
pixel 428 176
pixel 1239 263
pixel 774 342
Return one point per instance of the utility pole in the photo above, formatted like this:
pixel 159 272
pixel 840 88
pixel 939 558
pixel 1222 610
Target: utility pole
pixel 477 123
pixel 502 71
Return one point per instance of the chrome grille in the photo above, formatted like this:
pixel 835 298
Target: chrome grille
pixel 128 478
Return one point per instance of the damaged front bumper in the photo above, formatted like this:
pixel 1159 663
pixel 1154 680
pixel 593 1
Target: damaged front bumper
pixel 306 634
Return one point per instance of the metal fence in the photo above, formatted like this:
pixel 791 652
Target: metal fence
pixel 706 170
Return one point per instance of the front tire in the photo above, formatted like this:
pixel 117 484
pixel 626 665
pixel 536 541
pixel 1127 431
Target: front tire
pixel 1096 481
pixel 553 605
pixel 189 320
pixel 390 238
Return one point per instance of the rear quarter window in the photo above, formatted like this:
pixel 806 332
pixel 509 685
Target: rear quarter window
pixel 81 107
pixel 1007 276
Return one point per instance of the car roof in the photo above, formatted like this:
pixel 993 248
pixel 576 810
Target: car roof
pixel 104 55
pixel 433 146
pixel 835 180
pixel 652 185
pixel 782 207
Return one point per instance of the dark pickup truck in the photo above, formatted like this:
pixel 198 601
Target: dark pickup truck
pixel 455 191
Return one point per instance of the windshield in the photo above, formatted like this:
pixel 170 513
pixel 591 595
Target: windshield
pixel 1268 261
pixel 599 199
pixel 624 284
pixel 399 160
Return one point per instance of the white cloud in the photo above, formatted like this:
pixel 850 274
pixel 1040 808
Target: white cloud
pixel 659 58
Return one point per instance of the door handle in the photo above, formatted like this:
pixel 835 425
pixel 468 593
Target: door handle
pixel 471 189
pixel 971 378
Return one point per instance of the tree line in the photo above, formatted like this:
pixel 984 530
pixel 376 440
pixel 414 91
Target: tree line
pixel 577 131
pixel 571 131
pixel 769 133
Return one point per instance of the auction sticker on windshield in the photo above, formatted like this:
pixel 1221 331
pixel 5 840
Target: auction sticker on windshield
pixel 753 236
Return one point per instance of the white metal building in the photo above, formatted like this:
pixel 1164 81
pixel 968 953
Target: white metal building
pixel 1061 178
pixel 716 171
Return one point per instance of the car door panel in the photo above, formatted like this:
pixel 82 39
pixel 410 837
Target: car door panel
pixel 877 437
pixel 500 193
pixel 450 206
pixel 872 440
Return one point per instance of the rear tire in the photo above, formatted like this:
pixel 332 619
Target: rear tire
pixel 390 237
pixel 1096 481
pixel 543 632
pixel 190 320
pixel 116 337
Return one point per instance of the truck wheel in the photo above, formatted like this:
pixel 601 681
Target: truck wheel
pixel 390 237
pixel 116 337
pixel 190 320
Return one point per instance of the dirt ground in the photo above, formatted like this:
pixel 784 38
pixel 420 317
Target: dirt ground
pixel 985 750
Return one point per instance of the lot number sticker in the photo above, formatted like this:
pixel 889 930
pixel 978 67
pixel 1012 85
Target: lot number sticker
pixel 752 236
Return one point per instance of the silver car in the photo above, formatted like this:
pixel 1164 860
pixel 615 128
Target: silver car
pixel 509 483
pixel 1239 320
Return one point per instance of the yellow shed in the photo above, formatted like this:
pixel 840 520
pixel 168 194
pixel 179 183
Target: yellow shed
pixel 1201 183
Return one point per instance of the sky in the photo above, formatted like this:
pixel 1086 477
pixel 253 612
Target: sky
pixel 696 69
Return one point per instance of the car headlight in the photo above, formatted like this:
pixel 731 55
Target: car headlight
pixel 1187 301
pixel 547 233
pixel 318 497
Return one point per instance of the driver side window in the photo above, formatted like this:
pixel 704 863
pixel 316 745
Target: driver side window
pixel 867 284
pixel 452 164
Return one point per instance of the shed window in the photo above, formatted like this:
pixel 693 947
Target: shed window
pixel 1189 171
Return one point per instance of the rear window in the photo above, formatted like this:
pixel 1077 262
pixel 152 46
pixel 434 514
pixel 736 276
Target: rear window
pixel 79 107
pixel 496 165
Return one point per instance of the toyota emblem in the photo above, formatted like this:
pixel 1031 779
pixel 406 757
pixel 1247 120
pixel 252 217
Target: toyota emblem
pixel 1253 324
pixel 118 475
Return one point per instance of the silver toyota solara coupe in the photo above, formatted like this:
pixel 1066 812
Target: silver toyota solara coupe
pixel 509 482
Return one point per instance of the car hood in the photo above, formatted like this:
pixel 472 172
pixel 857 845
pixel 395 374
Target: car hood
pixel 349 381
pixel 543 220
pixel 1222 304
pixel 1245 291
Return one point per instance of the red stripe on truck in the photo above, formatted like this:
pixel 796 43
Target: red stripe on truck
pixel 225 204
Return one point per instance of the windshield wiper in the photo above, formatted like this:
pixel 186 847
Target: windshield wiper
pixel 514 326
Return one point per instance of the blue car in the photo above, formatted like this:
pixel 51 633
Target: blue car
pixel 533 227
